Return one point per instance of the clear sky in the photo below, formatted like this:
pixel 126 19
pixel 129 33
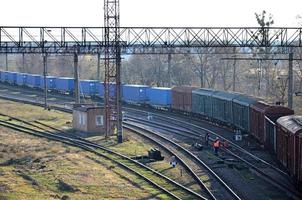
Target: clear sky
pixel 149 12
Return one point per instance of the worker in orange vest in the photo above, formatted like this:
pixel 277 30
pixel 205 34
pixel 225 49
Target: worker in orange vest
pixel 216 145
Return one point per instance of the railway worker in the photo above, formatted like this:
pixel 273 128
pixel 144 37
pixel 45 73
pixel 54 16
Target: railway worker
pixel 216 145
pixel 206 139
pixel 173 162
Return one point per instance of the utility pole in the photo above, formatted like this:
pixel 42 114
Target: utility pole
pixel 112 82
pixel 169 68
pixel 6 62
pixel 45 79
pixel 76 78
pixel 290 80
pixel 99 67
pixel 23 62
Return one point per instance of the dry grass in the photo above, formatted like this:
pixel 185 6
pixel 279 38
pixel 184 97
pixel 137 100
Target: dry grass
pixel 32 168
pixel 135 145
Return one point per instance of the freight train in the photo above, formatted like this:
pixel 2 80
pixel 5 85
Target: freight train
pixel 276 127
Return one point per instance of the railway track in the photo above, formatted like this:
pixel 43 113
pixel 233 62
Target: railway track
pixel 166 185
pixel 216 187
pixel 194 131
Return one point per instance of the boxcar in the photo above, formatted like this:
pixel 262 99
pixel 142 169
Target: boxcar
pixel 241 111
pixel 51 82
pixel 99 87
pixel 88 87
pixel 223 106
pixel 12 78
pixel 289 134
pixel 64 84
pixel 202 102
pixel 258 112
pixel 159 96
pixel 21 79
pixel 33 80
pixel 182 98
pixel 4 77
pixel 135 93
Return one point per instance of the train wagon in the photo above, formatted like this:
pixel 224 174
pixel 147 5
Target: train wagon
pixel 223 106
pixel 202 102
pixel 289 143
pixel 258 111
pixel 33 81
pixel 51 82
pixel 99 87
pixel 159 97
pixel 3 76
pixel 64 85
pixel 21 79
pixel 88 87
pixel 241 112
pixel 12 78
pixel 135 93
pixel 182 98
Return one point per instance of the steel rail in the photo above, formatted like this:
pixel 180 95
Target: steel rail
pixel 88 145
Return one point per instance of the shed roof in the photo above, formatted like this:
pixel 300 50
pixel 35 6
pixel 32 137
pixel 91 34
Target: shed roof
pixel 292 123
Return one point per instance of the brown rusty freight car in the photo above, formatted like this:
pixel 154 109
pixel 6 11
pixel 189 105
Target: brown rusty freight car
pixel 258 113
pixel 182 98
pixel 289 145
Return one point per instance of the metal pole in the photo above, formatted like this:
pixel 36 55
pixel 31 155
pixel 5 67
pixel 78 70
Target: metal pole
pixel 23 62
pixel 6 62
pixel 99 67
pixel 118 95
pixel 45 79
pixel 169 69
pixel 76 79
pixel 290 81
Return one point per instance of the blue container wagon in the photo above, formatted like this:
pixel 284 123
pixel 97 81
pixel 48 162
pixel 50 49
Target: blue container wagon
pixel 135 93
pixel 159 97
pixel 88 87
pixel 21 79
pixel 64 84
pixel 51 82
pixel 12 78
pixel 33 80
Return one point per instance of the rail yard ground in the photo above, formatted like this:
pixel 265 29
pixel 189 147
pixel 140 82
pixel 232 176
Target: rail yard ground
pixel 37 168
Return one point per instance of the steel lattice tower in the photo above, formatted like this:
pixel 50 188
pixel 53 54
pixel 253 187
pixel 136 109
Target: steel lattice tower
pixel 112 83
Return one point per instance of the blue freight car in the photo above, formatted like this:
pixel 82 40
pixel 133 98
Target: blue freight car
pixel 64 84
pixel 88 87
pixel 100 89
pixel 51 82
pixel 2 79
pixel 4 76
pixel 241 111
pixel 21 79
pixel 135 93
pixel 33 80
pixel 159 96
pixel 12 78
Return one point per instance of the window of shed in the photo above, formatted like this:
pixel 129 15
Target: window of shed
pixel 99 120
